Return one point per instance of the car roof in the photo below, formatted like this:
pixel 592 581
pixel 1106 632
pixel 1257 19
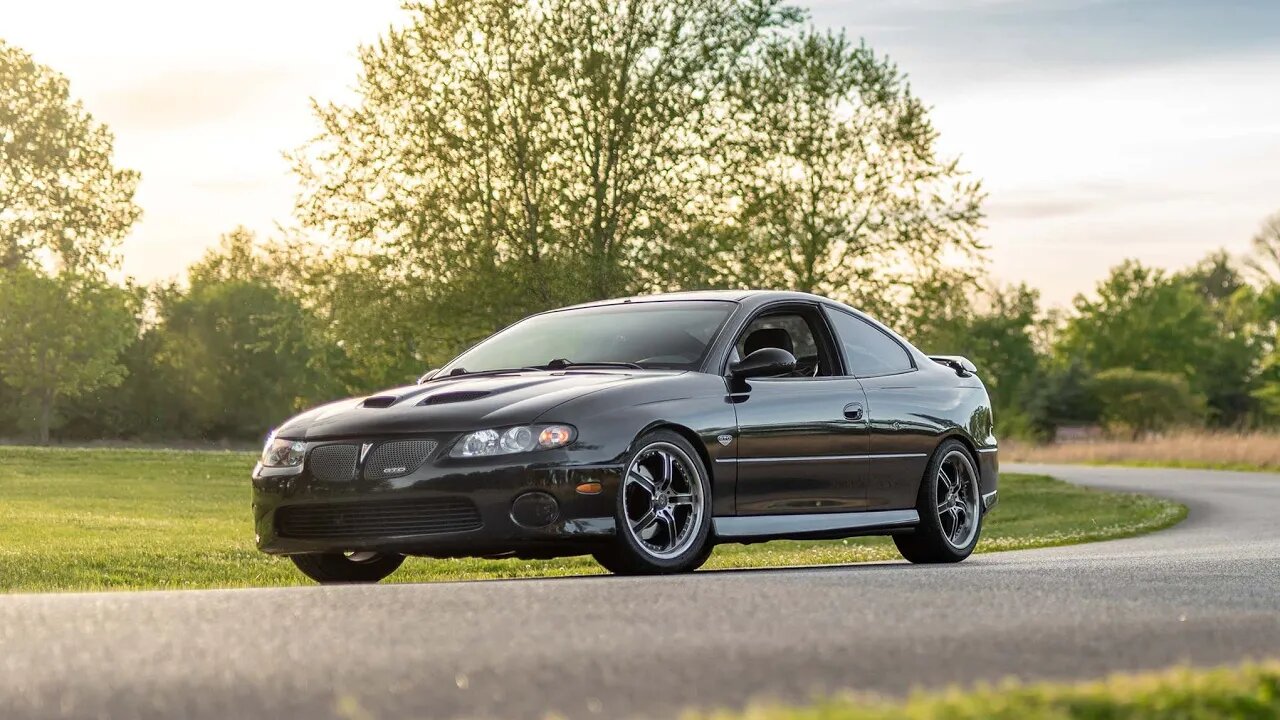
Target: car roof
pixel 756 296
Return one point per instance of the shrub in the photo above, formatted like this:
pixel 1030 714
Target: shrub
pixel 1136 402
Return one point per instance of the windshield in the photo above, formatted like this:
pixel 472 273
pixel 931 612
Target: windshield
pixel 651 335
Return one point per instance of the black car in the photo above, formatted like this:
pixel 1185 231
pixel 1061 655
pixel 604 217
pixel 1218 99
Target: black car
pixel 642 431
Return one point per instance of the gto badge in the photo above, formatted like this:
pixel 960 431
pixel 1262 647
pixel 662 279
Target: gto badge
pixel 393 471
pixel 724 439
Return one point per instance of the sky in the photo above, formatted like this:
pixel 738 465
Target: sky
pixel 1102 129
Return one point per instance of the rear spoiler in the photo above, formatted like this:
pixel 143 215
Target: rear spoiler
pixel 963 366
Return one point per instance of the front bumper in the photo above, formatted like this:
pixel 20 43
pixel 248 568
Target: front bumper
pixel 583 520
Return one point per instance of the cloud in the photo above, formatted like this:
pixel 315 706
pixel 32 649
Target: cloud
pixel 1081 199
pixel 953 45
pixel 184 98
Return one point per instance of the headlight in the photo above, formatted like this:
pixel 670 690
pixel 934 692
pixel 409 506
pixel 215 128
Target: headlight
pixel 507 441
pixel 283 453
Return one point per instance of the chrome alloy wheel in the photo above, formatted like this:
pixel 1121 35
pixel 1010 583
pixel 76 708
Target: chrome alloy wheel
pixel 957 494
pixel 662 500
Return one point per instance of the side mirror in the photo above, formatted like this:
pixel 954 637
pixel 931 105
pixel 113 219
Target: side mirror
pixel 763 363
pixel 427 376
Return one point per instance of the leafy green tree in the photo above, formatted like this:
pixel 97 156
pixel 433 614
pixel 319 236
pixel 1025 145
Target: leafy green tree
pixel 1264 259
pixel 1136 402
pixel 1145 320
pixel 374 328
pixel 61 337
pixel 508 157
pixel 995 327
pixel 1228 371
pixel 1264 264
pixel 237 346
pixel 1142 319
pixel 63 203
pixel 1063 396
pixel 834 170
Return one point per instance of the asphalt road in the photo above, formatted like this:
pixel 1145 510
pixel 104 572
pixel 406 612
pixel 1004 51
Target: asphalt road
pixel 1204 592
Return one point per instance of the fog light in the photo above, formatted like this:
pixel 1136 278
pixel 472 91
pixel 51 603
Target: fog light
pixel 535 510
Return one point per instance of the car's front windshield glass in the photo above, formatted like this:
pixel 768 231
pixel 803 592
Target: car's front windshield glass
pixel 648 334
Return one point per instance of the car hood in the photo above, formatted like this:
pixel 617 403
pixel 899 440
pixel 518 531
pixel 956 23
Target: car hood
pixel 458 403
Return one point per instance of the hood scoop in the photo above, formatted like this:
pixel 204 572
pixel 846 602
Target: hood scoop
pixel 379 401
pixel 453 397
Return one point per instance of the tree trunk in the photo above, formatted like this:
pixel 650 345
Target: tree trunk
pixel 46 416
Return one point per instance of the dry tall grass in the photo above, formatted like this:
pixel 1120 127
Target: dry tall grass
pixel 1236 451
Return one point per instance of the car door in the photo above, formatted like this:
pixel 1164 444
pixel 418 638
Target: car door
pixel 902 435
pixel 802 439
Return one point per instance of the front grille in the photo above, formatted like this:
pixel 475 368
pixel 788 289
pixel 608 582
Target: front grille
pixel 334 463
pixel 398 458
pixel 378 519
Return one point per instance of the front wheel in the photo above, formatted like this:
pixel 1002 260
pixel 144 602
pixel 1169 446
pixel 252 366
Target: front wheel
pixel 949 504
pixel 663 510
pixel 355 567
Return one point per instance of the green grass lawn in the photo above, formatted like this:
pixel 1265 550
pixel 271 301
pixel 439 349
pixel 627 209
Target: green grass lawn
pixel 134 519
pixel 1247 693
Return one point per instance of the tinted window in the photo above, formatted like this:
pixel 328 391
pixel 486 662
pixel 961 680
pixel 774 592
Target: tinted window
pixel 868 350
pixel 798 336
pixel 656 334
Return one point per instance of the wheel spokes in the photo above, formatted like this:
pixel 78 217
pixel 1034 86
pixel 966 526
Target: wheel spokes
pixel 957 498
pixel 646 521
pixel 681 499
pixel 644 483
pixel 668 470
pixel 668 521
pixel 662 499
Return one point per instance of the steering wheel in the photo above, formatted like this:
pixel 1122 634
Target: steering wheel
pixel 806 366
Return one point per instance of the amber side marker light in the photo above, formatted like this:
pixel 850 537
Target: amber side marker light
pixel 590 488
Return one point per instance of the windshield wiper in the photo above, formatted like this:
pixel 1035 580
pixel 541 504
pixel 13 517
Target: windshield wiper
pixel 564 364
pixel 557 364
pixel 463 373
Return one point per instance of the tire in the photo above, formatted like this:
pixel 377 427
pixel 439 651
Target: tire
pixel 663 510
pixel 339 568
pixel 950 509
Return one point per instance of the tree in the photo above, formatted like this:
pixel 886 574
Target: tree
pixel 1137 402
pixel 1141 319
pixel 237 345
pixel 63 204
pixel 1264 260
pixel 998 328
pixel 1265 266
pixel 1228 369
pixel 62 336
pixel 840 189
pixel 509 157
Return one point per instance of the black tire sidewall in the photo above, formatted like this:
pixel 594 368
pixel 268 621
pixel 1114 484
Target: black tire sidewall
pixel 927 506
pixel 337 568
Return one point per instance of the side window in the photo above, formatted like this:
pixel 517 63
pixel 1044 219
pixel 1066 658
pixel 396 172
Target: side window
pixel 789 331
pixel 868 350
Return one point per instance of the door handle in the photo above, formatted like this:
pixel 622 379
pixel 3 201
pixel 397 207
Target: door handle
pixel 853 411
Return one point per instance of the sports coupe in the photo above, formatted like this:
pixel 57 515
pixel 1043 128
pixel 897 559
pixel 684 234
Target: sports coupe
pixel 642 431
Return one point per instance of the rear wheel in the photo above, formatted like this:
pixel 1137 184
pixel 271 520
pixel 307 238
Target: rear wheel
pixel 663 510
pixel 948 503
pixel 355 567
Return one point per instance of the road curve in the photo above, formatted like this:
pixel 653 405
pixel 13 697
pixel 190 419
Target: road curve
pixel 1204 592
